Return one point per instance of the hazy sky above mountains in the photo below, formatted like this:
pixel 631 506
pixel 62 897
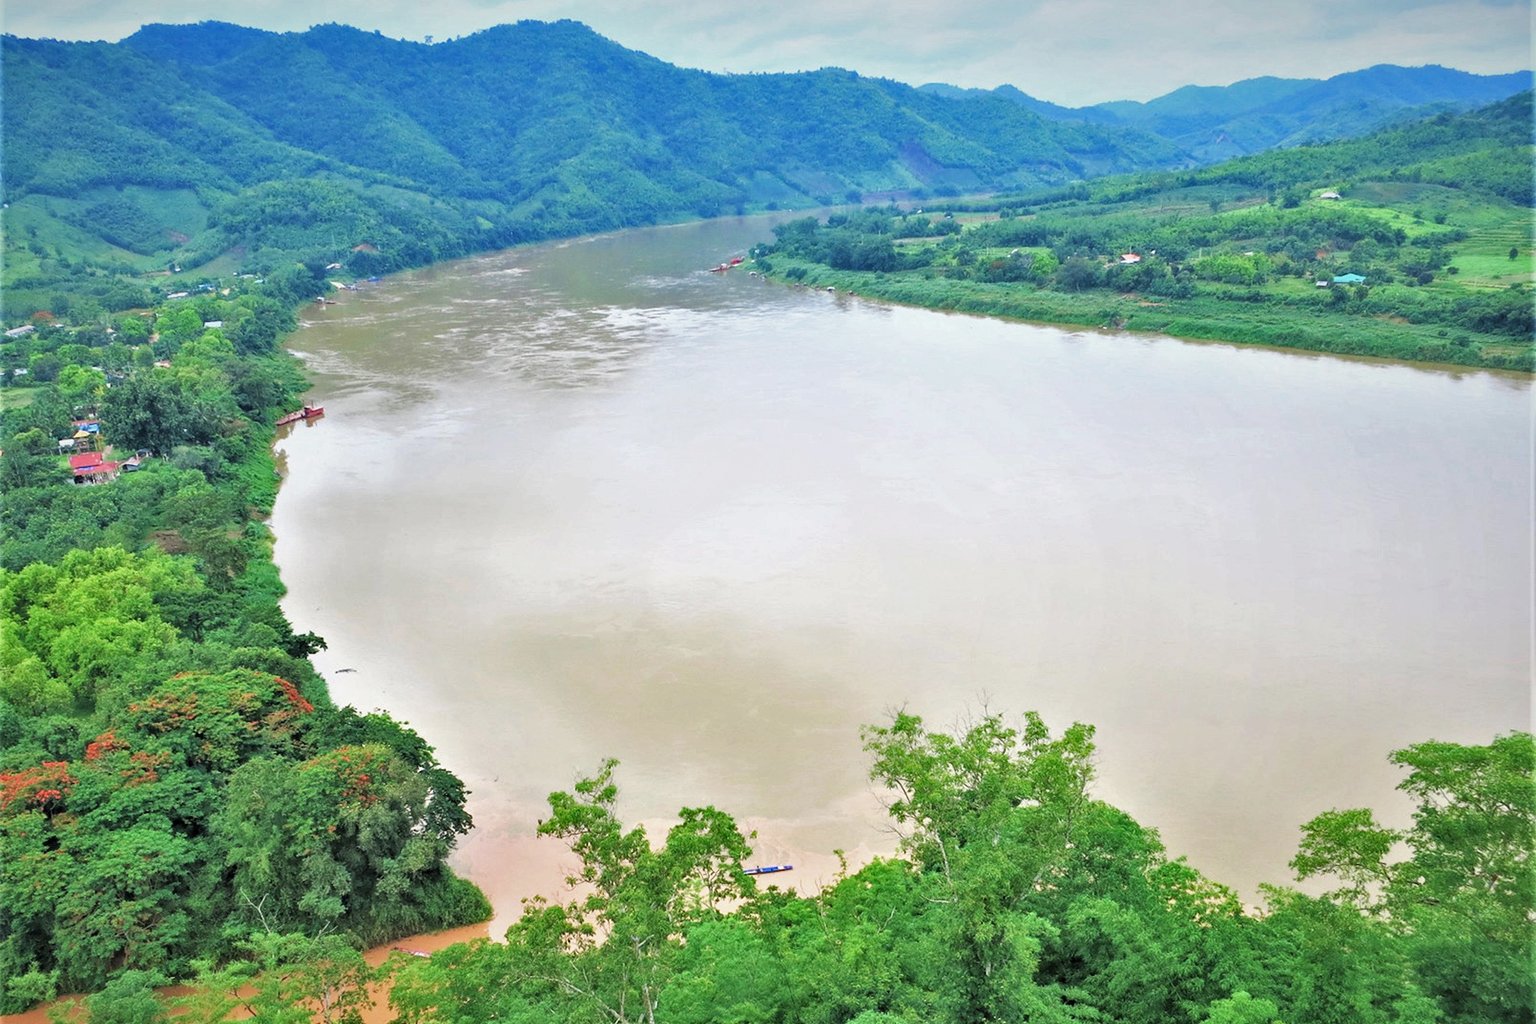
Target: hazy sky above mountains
pixel 1072 52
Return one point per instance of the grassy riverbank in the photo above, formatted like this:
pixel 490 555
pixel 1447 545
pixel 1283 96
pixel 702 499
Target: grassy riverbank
pixel 1415 244
pixel 1204 318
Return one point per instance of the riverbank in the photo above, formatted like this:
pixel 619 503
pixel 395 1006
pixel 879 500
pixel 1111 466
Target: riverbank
pixel 196 728
pixel 72 1010
pixel 1203 318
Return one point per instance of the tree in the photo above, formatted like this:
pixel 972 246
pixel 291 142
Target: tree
pixel 257 330
pixel 990 816
pixel 44 367
pixel 81 386
pixel 1043 265
pixel 1078 273
pixel 132 330
pixel 283 979
pixel 1242 1008
pixel 177 325
pixel 608 955
pixel 151 409
pixel 91 620
pixel 338 840
pixel 129 998
pixel 125 903
pixel 1463 896
pixel 27 460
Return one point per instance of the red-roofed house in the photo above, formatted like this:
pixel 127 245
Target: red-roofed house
pixel 91 466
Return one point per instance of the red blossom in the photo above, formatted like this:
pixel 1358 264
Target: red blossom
pixel 44 784
pixel 294 696
pixel 143 768
pixel 103 745
pixel 166 712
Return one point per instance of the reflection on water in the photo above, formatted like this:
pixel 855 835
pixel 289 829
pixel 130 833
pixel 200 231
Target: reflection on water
pixel 590 500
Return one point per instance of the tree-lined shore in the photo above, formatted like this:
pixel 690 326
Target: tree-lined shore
pixel 177 789
pixel 180 798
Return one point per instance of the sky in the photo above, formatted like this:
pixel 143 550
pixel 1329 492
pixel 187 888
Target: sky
pixel 1072 52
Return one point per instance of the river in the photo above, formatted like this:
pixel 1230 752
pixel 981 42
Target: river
pixel 586 499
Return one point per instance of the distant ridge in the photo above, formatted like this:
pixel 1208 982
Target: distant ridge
pixel 1214 123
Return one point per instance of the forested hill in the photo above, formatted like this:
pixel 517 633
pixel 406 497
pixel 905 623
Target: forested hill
pixel 213 148
pixel 181 140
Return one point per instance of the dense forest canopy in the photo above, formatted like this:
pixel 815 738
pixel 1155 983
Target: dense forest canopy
pixel 175 782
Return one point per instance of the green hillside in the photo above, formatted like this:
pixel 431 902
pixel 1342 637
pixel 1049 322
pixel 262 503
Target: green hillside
pixel 186 143
pixel 1214 123
pixel 1414 243
pixel 192 150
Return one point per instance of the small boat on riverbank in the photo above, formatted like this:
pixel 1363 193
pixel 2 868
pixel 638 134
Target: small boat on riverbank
pixel 768 869
pixel 309 412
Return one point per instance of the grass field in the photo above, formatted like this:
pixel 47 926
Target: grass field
pixel 16 398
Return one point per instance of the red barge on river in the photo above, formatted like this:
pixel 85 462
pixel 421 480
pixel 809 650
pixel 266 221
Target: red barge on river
pixel 309 412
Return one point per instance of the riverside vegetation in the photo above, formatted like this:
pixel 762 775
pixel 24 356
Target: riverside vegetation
pixel 176 787
pixel 180 799
pixel 1412 244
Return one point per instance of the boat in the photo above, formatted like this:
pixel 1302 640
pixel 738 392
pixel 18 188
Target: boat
pixel 769 869
pixel 309 412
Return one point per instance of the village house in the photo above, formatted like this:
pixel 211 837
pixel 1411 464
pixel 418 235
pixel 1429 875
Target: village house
pixel 86 437
pixel 91 467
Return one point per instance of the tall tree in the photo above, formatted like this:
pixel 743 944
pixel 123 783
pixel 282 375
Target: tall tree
pixel 608 955
pixel 1464 894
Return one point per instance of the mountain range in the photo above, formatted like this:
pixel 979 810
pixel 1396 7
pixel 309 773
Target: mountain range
pixel 1213 123
pixel 186 143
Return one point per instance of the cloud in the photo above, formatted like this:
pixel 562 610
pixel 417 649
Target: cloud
pixel 1076 53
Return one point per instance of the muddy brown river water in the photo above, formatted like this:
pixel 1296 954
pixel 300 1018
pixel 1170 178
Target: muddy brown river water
pixel 587 500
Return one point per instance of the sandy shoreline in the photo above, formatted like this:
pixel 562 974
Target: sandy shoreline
pixel 378 1014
